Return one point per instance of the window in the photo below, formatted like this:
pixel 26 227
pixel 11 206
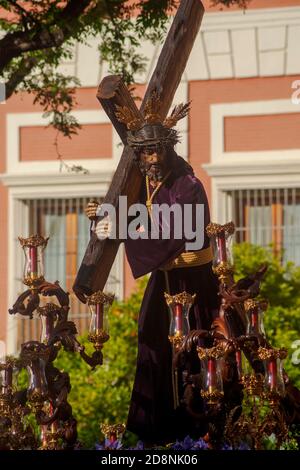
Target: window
pixel 66 225
pixel 264 216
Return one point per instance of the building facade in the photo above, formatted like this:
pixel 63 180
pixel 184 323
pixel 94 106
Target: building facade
pixel 242 138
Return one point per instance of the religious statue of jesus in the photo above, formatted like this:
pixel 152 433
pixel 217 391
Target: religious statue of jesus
pixel 169 180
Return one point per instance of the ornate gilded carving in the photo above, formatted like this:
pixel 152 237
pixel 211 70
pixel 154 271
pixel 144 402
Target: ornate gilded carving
pixel 98 338
pixel 112 429
pixel 215 229
pixel 176 341
pixel 34 240
pixel 224 270
pixel 266 354
pixel 252 304
pixel 152 114
pixel 253 383
pixel 212 397
pixel 100 297
pixel 211 353
pixel 183 298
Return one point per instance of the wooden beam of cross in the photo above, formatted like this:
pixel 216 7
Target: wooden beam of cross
pixel 100 254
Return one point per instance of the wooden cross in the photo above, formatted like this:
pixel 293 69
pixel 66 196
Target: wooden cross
pixel 100 254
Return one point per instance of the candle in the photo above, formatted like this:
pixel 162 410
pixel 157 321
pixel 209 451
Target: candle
pixel 44 429
pixel 33 261
pixel 221 243
pixel 178 318
pixel 99 317
pixel 54 425
pixel 238 358
pixel 254 321
pixel 272 372
pixel 211 374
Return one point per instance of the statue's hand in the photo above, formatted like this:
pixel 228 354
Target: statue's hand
pixel 103 228
pixel 91 210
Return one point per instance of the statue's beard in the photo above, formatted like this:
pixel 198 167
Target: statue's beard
pixel 155 172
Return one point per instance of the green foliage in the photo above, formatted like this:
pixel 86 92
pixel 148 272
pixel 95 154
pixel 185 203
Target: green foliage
pixel 281 287
pixel 38 38
pixel 229 3
pixel 103 395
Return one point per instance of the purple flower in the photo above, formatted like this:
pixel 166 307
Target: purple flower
pixel 200 445
pixel 226 447
pixel 243 446
pixel 99 447
pixel 139 446
pixel 109 445
pixel 189 444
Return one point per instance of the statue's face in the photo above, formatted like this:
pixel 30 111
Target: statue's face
pixel 152 162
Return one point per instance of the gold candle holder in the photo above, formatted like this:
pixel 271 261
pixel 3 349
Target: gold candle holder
pixel 98 303
pixel 212 382
pixel 33 248
pixel 179 308
pixel 221 238
pixel 274 381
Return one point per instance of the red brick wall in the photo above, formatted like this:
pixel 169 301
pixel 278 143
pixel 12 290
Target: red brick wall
pixel 254 4
pixel 92 141
pixel 254 133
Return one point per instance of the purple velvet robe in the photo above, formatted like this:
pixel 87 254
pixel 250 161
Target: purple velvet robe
pixel 151 415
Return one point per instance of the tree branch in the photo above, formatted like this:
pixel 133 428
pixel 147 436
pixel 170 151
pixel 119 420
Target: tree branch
pixel 74 8
pixel 18 42
pixel 25 67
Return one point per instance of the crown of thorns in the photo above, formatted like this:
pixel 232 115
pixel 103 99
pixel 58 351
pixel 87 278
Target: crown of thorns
pixel 164 134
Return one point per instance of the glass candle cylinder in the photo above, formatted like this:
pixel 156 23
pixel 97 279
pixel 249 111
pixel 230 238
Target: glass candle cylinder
pixel 6 376
pixel 43 436
pixel 211 373
pixel 179 308
pixel 274 381
pixel 33 247
pixel 35 355
pixel 55 424
pixel 221 240
pixel 251 379
pixel 48 315
pixel 37 380
pixel 255 311
pixel 99 304
pixel 99 320
pixel 239 363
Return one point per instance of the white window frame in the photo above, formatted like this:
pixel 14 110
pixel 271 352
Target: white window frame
pixel 43 187
pixel 15 121
pixel 248 170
